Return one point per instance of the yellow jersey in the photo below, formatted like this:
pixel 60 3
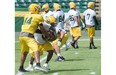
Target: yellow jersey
pixel 31 23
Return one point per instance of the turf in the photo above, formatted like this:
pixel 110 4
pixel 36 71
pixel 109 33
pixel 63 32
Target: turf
pixel 82 61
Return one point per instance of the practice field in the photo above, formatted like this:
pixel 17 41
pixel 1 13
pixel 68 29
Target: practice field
pixel 82 61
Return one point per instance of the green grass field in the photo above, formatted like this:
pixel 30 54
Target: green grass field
pixel 82 61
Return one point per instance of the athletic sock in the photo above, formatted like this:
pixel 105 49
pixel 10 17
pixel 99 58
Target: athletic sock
pixel 59 54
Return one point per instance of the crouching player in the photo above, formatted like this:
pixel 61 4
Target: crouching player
pixel 44 42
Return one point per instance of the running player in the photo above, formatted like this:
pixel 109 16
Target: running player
pixel 74 18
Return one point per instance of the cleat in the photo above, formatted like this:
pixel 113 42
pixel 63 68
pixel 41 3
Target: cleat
pixel 76 46
pixel 94 47
pixel 22 70
pixel 90 47
pixel 30 68
pixel 60 59
pixel 41 69
pixel 46 66
pixel 72 44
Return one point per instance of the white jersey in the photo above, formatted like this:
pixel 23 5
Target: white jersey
pixel 38 36
pixel 89 14
pixel 72 14
pixel 50 13
pixel 59 16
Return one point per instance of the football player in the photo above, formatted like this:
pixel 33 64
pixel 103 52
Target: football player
pixel 59 16
pixel 27 41
pixel 46 10
pixel 75 29
pixel 90 21
pixel 44 42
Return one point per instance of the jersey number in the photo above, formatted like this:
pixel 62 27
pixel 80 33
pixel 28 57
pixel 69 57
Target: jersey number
pixel 88 16
pixel 28 20
pixel 71 18
pixel 61 18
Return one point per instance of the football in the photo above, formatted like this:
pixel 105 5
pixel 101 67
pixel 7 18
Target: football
pixel 52 33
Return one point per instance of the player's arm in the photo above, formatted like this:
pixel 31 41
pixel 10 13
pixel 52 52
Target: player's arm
pixel 77 17
pixel 84 20
pixel 95 19
pixel 42 29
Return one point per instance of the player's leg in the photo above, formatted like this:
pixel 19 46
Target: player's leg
pixel 76 33
pixel 24 51
pixel 62 33
pixel 91 34
pixel 64 40
pixel 31 60
pixel 49 56
pixel 73 42
pixel 31 63
pixel 34 47
pixel 66 46
pixel 23 58
pixel 72 34
pixel 92 43
pixel 31 66
pixel 76 43
pixel 58 52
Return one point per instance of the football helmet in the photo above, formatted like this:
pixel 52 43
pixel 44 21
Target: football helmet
pixel 45 7
pixel 34 8
pixel 56 6
pixel 91 5
pixel 72 5
pixel 50 19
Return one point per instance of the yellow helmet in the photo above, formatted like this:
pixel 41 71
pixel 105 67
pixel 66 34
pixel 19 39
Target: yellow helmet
pixel 56 6
pixel 45 7
pixel 72 5
pixel 91 5
pixel 50 19
pixel 34 8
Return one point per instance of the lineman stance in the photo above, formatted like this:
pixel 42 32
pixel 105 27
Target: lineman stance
pixel 90 20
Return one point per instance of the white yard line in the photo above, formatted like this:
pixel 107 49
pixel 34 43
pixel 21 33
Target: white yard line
pixel 42 59
pixel 76 53
pixel 93 73
pixel 56 73
pixel 19 73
